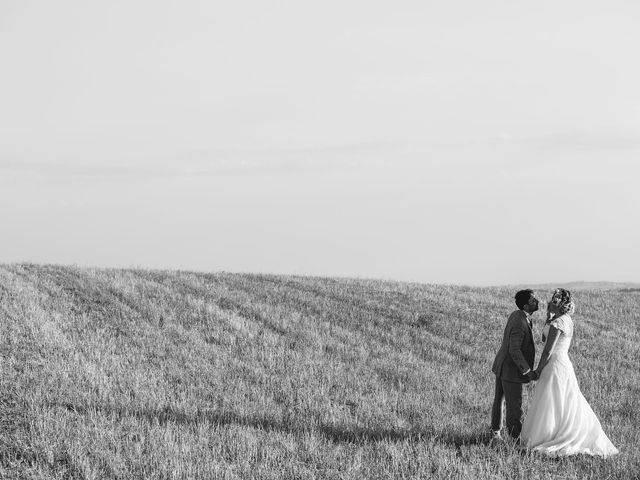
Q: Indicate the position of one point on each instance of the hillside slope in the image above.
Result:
(157, 374)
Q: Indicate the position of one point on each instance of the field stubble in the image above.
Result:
(155, 374)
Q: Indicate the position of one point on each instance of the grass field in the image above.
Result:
(157, 374)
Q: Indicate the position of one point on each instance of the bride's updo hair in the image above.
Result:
(563, 301)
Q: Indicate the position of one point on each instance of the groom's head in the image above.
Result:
(526, 300)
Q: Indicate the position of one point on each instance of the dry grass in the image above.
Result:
(150, 374)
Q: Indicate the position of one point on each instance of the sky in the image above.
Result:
(463, 142)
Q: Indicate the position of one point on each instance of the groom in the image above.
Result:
(513, 365)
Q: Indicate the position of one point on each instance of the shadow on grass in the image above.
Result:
(334, 433)
(349, 435)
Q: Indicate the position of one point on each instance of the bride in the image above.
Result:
(560, 421)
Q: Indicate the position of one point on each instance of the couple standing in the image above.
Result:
(559, 420)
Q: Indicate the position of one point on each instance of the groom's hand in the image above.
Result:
(533, 375)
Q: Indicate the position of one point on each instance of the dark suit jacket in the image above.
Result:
(517, 352)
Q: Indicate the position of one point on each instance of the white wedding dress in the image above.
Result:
(560, 421)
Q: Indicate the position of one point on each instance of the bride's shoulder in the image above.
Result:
(563, 322)
(566, 318)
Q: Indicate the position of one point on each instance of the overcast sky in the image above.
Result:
(470, 142)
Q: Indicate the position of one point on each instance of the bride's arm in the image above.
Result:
(550, 315)
(554, 333)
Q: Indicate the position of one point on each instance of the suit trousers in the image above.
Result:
(511, 393)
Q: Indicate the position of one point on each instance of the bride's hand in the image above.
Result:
(551, 310)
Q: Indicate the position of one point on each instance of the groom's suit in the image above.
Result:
(514, 359)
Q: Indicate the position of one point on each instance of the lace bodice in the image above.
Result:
(565, 325)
